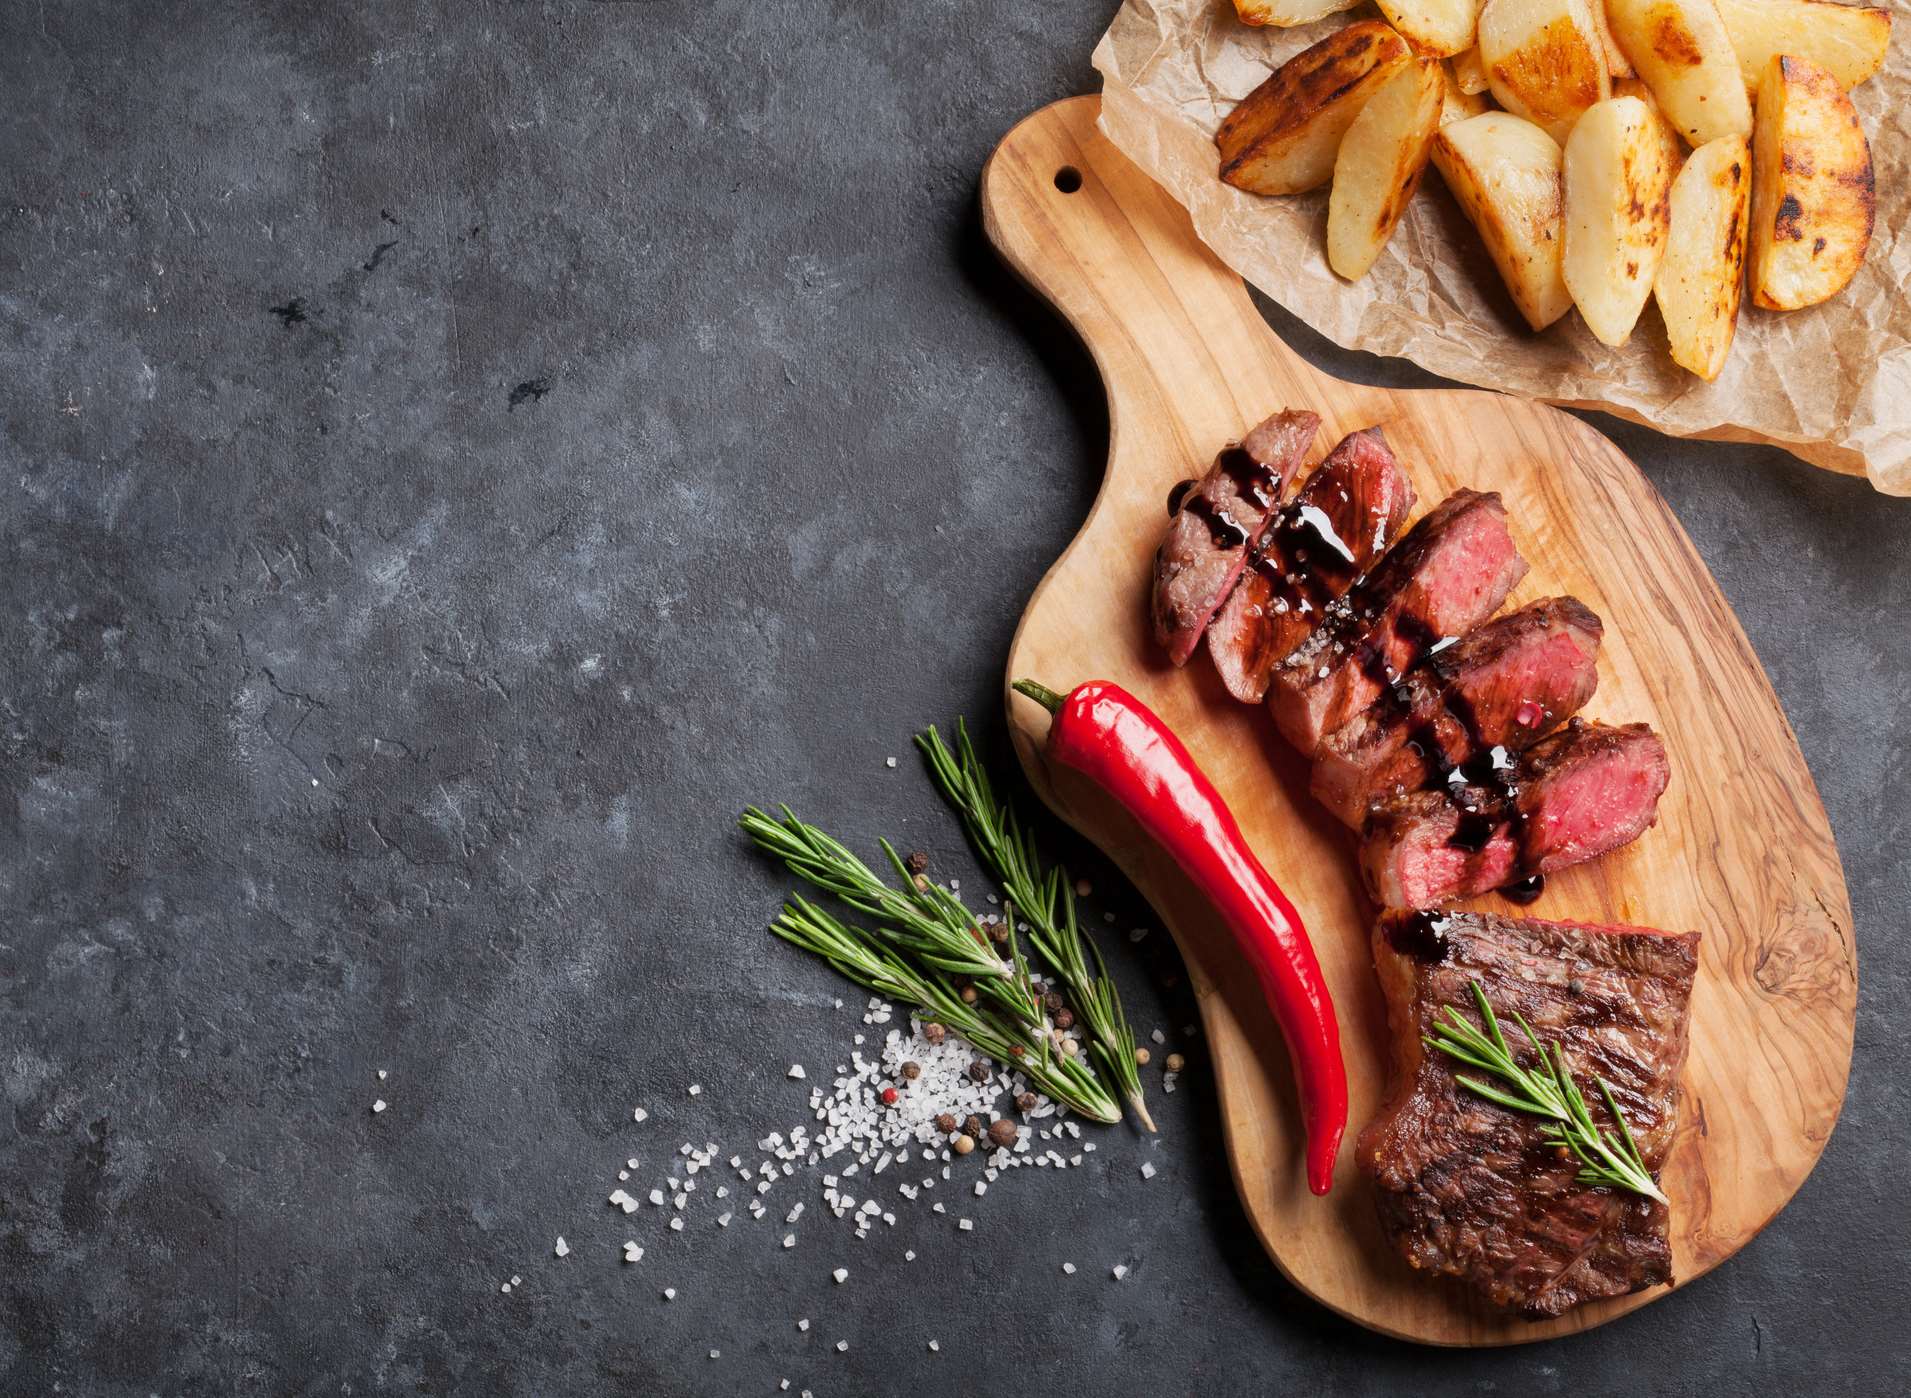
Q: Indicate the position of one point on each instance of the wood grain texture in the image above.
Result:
(1742, 850)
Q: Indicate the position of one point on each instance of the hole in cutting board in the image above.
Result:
(1068, 179)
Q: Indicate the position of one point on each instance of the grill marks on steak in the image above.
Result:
(1449, 573)
(1582, 792)
(1311, 552)
(1468, 1189)
(1215, 519)
(1505, 684)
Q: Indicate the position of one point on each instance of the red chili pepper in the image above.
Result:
(1117, 742)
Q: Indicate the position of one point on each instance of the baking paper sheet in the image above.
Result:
(1831, 384)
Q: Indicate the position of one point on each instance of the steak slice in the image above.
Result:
(1506, 684)
(1450, 572)
(1311, 552)
(1469, 1189)
(1583, 792)
(1215, 518)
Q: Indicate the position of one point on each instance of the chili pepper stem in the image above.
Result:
(1040, 693)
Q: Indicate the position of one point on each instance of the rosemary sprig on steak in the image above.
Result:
(1605, 1157)
(1046, 901)
(871, 961)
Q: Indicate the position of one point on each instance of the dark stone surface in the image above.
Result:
(455, 456)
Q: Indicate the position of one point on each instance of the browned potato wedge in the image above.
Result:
(1469, 72)
(1667, 133)
(1283, 137)
(1616, 217)
(1703, 275)
(1681, 49)
(1457, 104)
(1616, 63)
(1285, 14)
(1505, 172)
(1813, 198)
(1846, 40)
(1543, 60)
(1443, 27)
(1380, 162)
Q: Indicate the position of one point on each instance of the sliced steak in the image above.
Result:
(1583, 792)
(1450, 572)
(1507, 684)
(1215, 519)
(1469, 1189)
(1310, 553)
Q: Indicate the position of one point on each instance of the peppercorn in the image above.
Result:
(889, 1096)
(1052, 1001)
(962, 1145)
(922, 883)
(1141, 1056)
(1015, 1050)
(945, 1122)
(972, 1126)
(1027, 1101)
(999, 933)
(1070, 1047)
(912, 1070)
(981, 1070)
(934, 1032)
(1002, 1132)
(1176, 1063)
(916, 862)
(1064, 1019)
(968, 995)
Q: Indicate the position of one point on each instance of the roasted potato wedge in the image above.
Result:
(1469, 72)
(1702, 276)
(1544, 60)
(1813, 198)
(1381, 159)
(1847, 41)
(1505, 172)
(1283, 137)
(1285, 14)
(1616, 215)
(1457, 104)
(1681, 49)
(1668, 134)
(1443, 27)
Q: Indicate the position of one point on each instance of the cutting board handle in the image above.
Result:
(1088, 230)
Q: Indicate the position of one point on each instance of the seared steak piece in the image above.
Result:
(1450, 572)
(1584, 791)
(1310, 553)
(1507, 684)
(1471, 1190)
(1215, 519)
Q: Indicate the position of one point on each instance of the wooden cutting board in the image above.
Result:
(1742, 850)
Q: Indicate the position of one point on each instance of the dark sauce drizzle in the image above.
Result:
(1422, 936)
(1253, 479)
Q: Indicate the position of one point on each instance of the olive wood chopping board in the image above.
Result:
(1742, 851)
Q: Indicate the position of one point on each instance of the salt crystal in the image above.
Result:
(723, 1220)
(381, 1075)
(633, 1253)
(934, 1348)
(631, 1164)
(803, 1324)
(1120, 1271)
(796, 1070)
(841, 1274)
(676, 1223)
(716, 1354)
(516, 1280)
(563, 1249)
(623, 1174)
(1147, 1169)
(909, 1256)
(842, 1345)
(639, 1114)
(965, 1225)
(981, 1188)
(379, 1105)
(1159, 1037)
(657, 1197)
(889, 762)
(670, 1293)
(1068, 1268)
(696, 1089)
(505, 1288)
(789, 1240)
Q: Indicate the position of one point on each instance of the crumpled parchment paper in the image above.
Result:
(1832, 383)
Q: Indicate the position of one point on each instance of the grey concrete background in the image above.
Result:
(455, 456)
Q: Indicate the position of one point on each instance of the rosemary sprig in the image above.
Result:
(1046, 902)
(1605, 1157)
(930, 923)
(868, 959)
